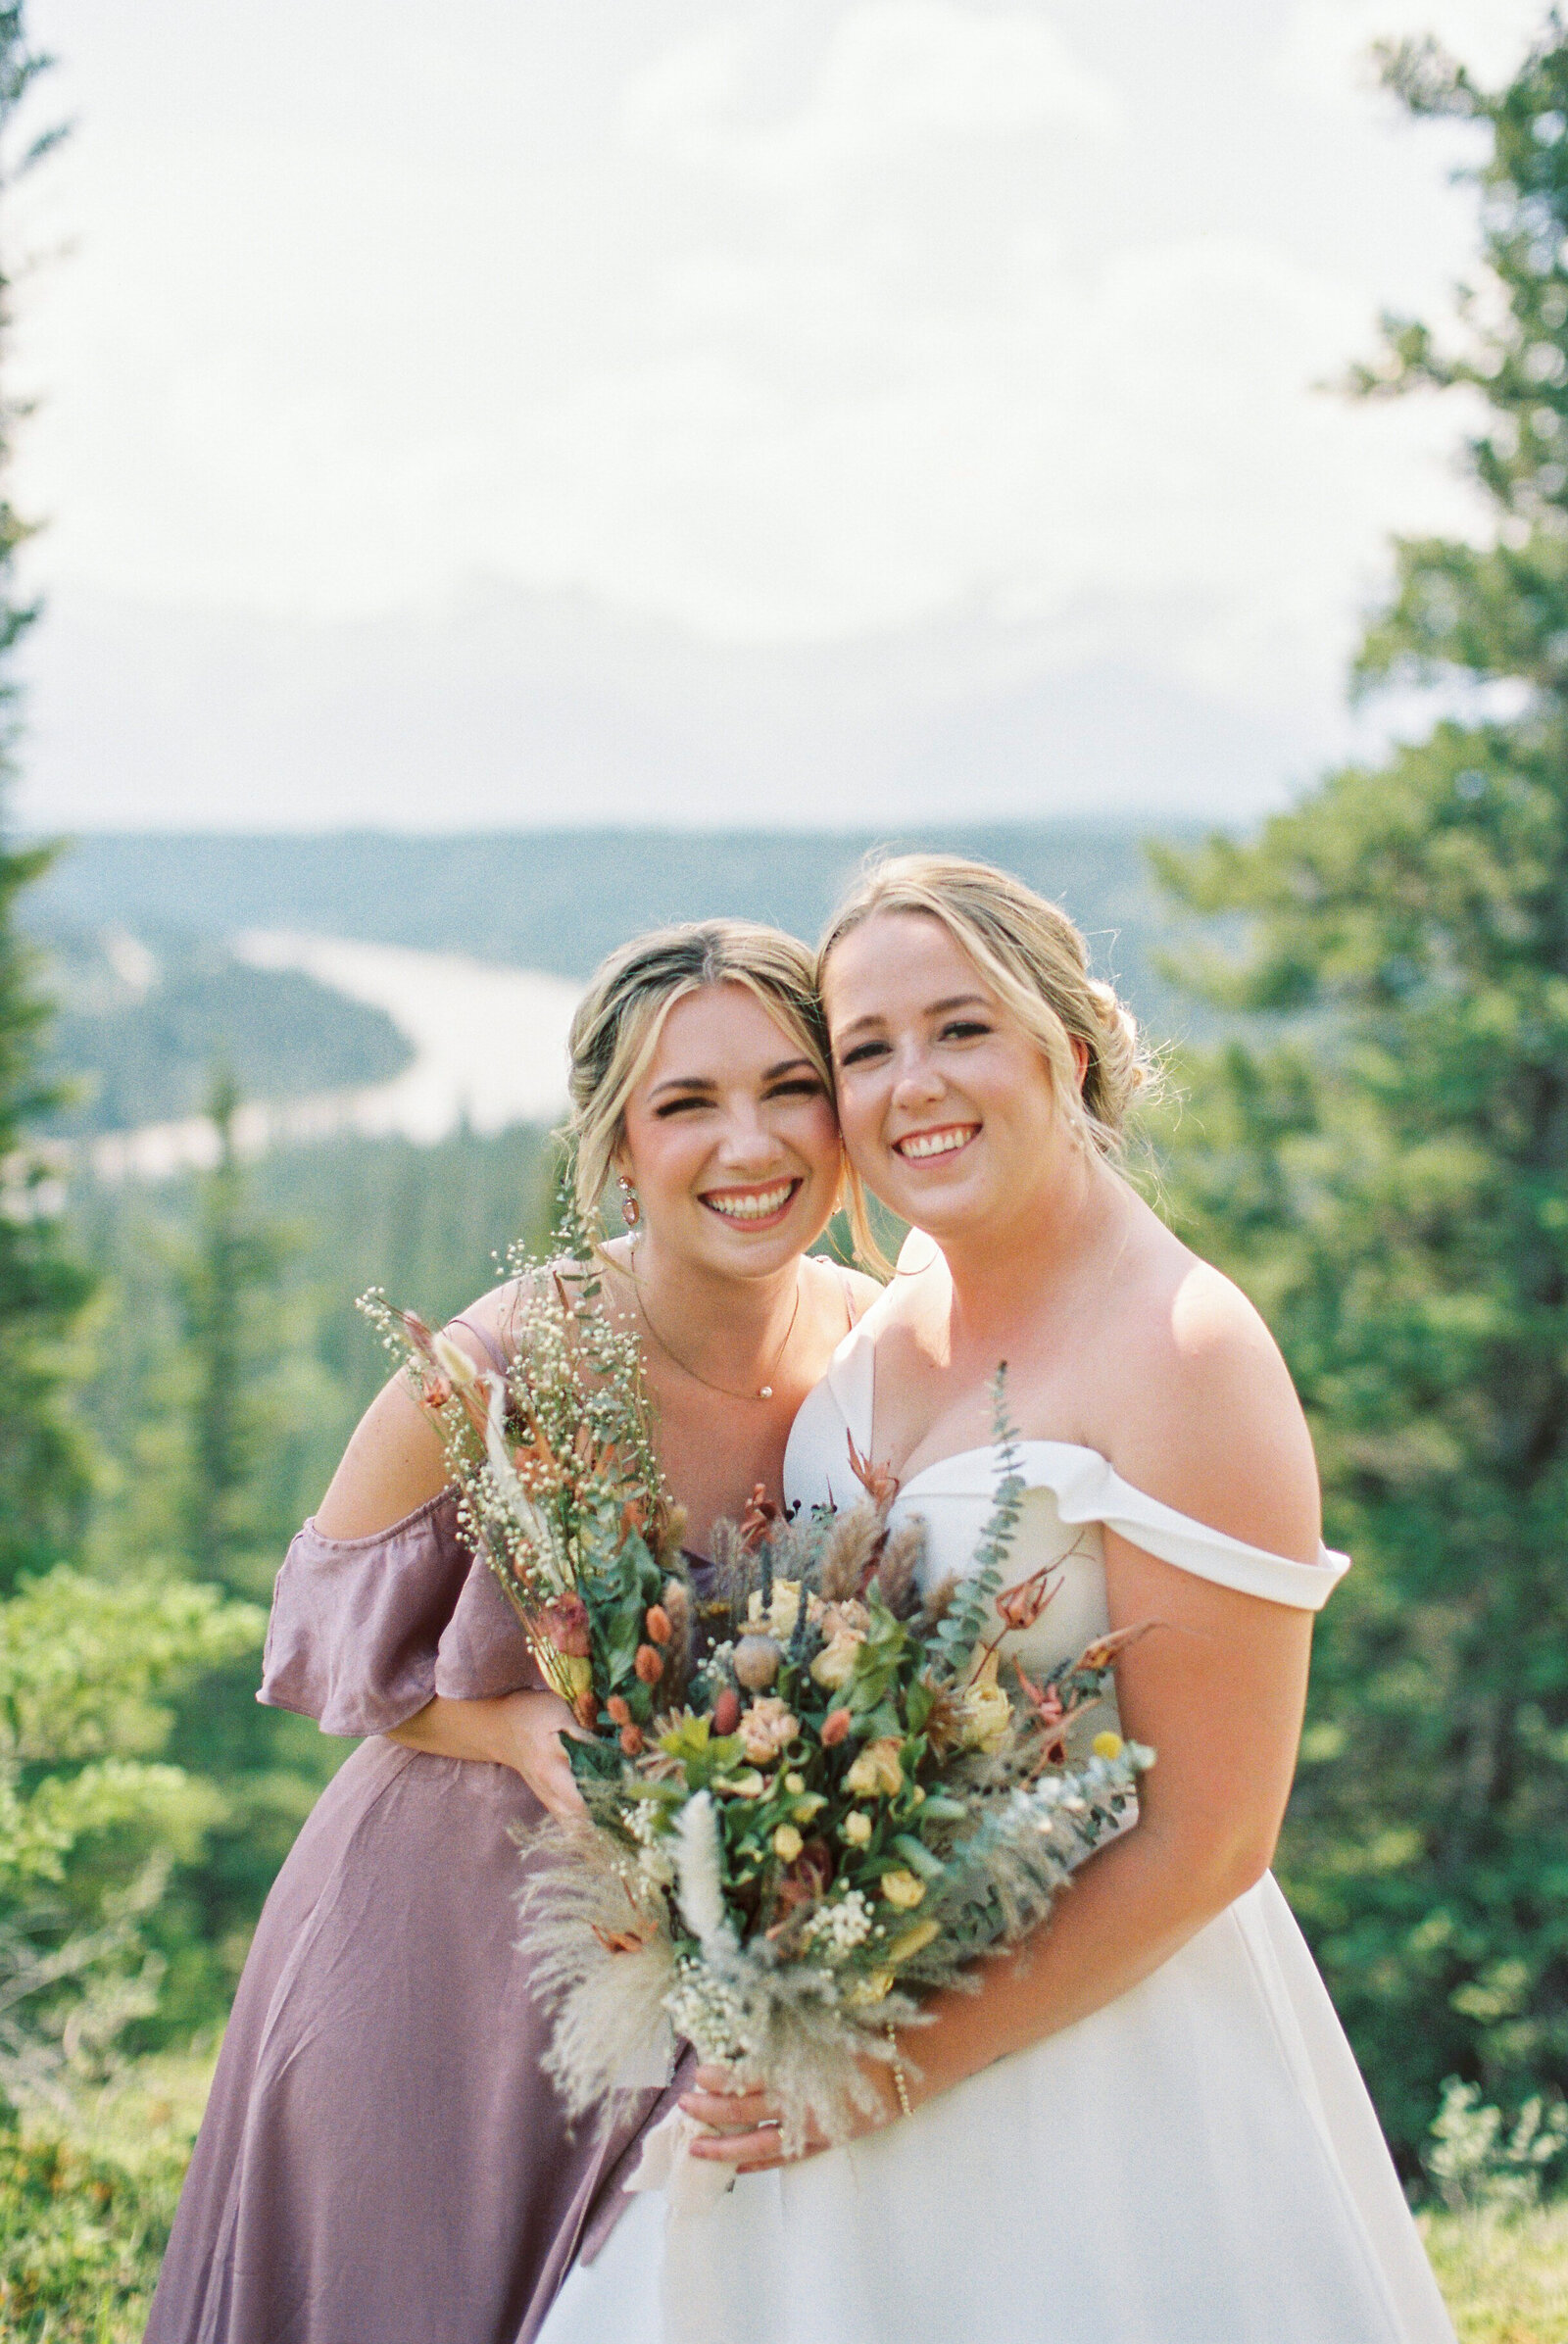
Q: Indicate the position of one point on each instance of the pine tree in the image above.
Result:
(227, 1290)
(90, 1824)
(43, 1289)
(1386, 1172)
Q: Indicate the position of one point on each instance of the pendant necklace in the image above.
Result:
(765, 1391)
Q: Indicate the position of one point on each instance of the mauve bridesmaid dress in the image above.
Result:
(382, 2159)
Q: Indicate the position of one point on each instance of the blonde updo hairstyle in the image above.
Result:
(1035, 960)
(621, 1016)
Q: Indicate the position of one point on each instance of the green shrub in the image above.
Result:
(81, 2239)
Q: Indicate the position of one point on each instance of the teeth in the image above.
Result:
(936, 1143)
(752, 1208)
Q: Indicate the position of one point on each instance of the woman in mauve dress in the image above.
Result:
(383, 2159)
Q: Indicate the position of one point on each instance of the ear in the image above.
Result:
(1080, 1059)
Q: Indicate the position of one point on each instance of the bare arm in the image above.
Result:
(521, 1730)
(394, 1463)
(1218, 1690)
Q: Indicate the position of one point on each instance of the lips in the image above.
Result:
(921, 1147)
(745, 1208)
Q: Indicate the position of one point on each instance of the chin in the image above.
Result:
(748, 1249)
(932, 1205)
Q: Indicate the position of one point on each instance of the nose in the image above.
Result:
(916, 1078)
(746, 1147)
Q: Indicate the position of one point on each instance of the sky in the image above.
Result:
(777, 412)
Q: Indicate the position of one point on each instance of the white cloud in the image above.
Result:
(786, 323)
(893, 77)
(1326, 51)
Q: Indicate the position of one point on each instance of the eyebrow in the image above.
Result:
(955, 1001)
(706, 1082)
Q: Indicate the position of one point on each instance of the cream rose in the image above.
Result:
(878, 1771)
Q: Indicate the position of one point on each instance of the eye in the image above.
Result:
(680, 1106)
(863, 1054)
(962, 1029)
(799, 1086)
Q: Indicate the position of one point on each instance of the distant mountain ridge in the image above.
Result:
(559, 900)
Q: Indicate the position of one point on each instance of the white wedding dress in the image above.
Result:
(1198, 2163)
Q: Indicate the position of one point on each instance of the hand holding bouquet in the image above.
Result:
(813, 1790)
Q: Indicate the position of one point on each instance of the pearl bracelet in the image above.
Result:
(900, 2084)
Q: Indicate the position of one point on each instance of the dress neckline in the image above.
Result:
(1087, 1487)
(857, 1404)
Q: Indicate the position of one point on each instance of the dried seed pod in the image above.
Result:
(648, 1664)
(631, 1740)
(726, 1711)
(657, 1625)
(757, 1659)
(620, 1714)
(835, 1728)
(678, 1608)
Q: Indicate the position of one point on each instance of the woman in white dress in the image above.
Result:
(1147, 2126)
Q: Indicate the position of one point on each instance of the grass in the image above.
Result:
(83, 2222)
(85, 2219)
(1505, 2280)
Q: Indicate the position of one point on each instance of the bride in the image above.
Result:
(1146, 2127)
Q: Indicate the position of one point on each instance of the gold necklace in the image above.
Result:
(765, 1391)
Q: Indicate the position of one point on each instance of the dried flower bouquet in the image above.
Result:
(814, 1792)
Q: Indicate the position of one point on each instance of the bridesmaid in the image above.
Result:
(1146, 2127)
(383, 2161)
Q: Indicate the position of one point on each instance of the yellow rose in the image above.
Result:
(1106, 1745)
(903, 1890)
(984, 1712)
(808, 1809)
(912, 1940)
(870, 1988)
(787, 1843)
(878, 1771)
(795, 1782)
(834, 1665)
(781, 1614)
(855, 1827)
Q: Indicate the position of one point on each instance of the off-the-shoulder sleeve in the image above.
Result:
(364, 1632)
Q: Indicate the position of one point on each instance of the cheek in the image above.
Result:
(814, 1135)
(661, 1152)
(861, 1121)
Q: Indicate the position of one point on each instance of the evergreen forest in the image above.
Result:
(1366, 1001)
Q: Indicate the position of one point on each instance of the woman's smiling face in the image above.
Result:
(731, 1140)
(945, 1102)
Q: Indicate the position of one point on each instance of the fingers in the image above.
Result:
(730, 2111)
(557, 1790)
(748, 2152)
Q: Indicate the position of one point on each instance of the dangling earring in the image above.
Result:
(632, 1212)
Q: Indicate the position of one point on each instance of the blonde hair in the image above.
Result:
(1036, 963)
(620, 1018)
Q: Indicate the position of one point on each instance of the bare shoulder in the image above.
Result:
(487, 1326)
(861, 1290)
(490, 1324)
(1207, 1417)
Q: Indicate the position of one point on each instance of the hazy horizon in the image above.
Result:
(838, 412)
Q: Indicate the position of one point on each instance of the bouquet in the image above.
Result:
(814, 1792)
